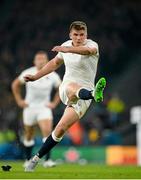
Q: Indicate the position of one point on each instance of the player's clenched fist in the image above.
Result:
(29, 77)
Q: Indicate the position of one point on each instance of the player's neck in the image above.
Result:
(38, 69)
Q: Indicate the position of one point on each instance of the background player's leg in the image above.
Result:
(28, 142)
(45, 126)
(29, 117)
(46, 129)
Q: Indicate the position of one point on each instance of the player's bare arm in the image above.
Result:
(51, 66)
(16, 89)
(78, 50)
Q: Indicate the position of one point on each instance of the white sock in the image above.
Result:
(56, 138)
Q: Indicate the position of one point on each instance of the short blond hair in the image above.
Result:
(42, 52)
(78, 25)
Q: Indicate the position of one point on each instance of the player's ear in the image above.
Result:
(70, 35)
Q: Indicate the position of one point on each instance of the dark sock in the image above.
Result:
(28, 152)
(47, 157)
(85, 94)
(47, 146)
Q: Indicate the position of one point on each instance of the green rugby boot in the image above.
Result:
(99, 88)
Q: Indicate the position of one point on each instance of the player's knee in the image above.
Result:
(28, 135)
(72, 97)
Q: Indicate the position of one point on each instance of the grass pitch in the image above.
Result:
(72, 171)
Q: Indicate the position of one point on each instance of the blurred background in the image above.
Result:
(29, 26)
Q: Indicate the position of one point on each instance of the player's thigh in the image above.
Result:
(45, 120)
(68, 119)
(81, 107)
(29, 121)
(67, 92)
(72, 114)
(29, 116)
(72, 88)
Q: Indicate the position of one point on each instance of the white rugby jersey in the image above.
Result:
(38, 92)
(80, 68)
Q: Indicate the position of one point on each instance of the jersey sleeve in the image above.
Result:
(57, 80)
(59, 55)
(21, 77)
(93, 44)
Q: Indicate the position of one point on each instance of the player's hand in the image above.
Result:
(22, 104)
(63, 49)
(51, 105)
(29, 77)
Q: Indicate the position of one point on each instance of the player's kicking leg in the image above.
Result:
(67, 120)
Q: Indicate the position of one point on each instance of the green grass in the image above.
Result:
(72, 171)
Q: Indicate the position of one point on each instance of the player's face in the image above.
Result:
(78, 37)
(40, 60)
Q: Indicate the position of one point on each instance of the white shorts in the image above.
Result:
(31, 115)
(80, 106)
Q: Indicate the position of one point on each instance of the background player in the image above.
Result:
(80, 56)
(37, 108)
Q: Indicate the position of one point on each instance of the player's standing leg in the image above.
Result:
(68, 119)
